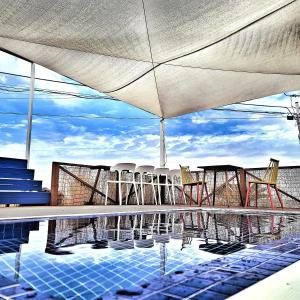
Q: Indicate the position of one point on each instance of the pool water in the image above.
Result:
(86, 258)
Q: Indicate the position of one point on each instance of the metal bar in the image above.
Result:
(239, 187)
(102, 167)
(202, 186)
(298, 119)
(162, 143)
(162, 157)
(243, 186)
(214, 187)
(54, 184)
(95, 185)
(30, 107)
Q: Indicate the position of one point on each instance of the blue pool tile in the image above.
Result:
(156, 285)
(189, 273)
(203, 268)
(285, 258)
(198, 283)
(296, 252)
(161, 297)
(79, 289)
(264, 247)
(69, 293)
(251, 276)
(132, 291)
(242, 282)
(38, 297)
(265, 255)
(59, 289)
(9, 292)
(88, 295)
(217, 275)
(209, 295)
(281, 263)
(270, 266)
(262, 271)
(239, 267)
(287, 247)
(181, 290)
(290, 255)
(4, 281)
(226, 289)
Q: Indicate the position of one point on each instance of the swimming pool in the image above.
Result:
(87, 258)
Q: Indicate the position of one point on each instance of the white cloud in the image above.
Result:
(2, 78)
(12, 126)
(91, 148)
(11, 64)
(198, 120)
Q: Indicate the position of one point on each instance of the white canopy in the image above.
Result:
(168, 57)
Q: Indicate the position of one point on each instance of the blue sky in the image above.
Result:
(196, 139)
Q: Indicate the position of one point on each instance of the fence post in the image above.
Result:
(54, 184)
(243, 185)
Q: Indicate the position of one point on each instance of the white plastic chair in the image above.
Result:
(124, 237)
(143, 243)
(175, 177)
(162, 173)
(146, 171)
(122, 168)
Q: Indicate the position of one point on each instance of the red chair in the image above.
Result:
(269, 179)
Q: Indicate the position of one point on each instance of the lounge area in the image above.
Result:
(149, 150)
(225, 186)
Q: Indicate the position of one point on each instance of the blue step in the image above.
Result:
(17, 230)
(14, 173)
(20, 184)
(12, 246)
(33, 198)
(6, 162)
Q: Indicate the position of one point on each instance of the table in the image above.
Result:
(226, 168)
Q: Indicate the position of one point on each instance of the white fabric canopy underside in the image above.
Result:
(168, 57)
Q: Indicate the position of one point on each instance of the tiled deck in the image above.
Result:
(38, 212)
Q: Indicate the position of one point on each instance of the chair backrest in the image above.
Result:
(161, 171)
(123, 167)
(144, 169)
(186, 175)
(176, 173)
(272, 171)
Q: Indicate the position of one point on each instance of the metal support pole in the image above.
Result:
(30, 106)
(162, 179)
(298, 118)
(162, 143)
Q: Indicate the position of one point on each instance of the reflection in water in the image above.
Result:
(12, 236)
(90, 256)
(216, 233)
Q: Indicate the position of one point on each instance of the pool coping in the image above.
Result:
(49, 212)
(284, 283)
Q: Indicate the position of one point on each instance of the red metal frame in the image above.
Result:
(269, 192)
